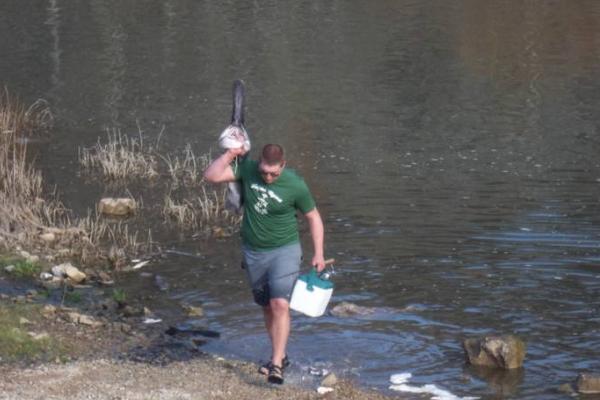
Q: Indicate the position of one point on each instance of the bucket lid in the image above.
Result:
(312, 279)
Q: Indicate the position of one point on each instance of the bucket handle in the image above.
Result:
(313, 276)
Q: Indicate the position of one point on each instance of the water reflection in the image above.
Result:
(54, 22)
(451, 147)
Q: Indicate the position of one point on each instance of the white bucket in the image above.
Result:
(311, 295)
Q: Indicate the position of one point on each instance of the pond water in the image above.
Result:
(452, 148)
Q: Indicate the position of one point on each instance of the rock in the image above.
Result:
(566, 388)
(82, 319)
(345, 309)
(9, 268)
(59, 271)
(116, 206)
(193, 311)
(4, 296)
(129, 311)
(29, 257)
(73, 273)
(48, 237)
(330, 380)
(147, 312)
(46, 276)
(506, 352)
(104, 277)
(122, 327)
(38, 336)
(48, 311)
(89, 321)
(587, 383)
(107, 283)
(73, 317)
(324, 390)
(24, 321)
(24, 254)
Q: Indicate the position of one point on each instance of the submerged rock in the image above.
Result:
(193, 311)
(506, 352)
(116, 206)
(345, 309)
(330, 380)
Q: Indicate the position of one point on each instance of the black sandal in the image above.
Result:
(275, 374)
(264, 368)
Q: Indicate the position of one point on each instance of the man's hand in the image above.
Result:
(239, 151)
(220, 170)
(318, 262)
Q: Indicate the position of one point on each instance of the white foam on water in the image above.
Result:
(399, 384)
(399, 379)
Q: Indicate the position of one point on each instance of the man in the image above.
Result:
(270, 240)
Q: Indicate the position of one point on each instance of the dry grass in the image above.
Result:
(182, 214)
(186, 171)
(23, 211)
(32, 219)
(122, 157)
(202, 211)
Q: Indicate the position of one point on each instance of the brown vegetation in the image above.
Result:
(32, 219)
(189, 201)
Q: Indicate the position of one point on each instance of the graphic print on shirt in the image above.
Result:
(262, 198)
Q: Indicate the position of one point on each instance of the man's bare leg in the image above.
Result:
(278, 320)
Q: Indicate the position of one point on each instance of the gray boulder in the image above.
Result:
(505, 352)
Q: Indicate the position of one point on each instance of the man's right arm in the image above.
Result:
(220, 169)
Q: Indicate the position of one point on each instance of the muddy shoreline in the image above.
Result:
(121, 357)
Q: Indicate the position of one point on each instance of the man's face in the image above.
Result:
(270, 173)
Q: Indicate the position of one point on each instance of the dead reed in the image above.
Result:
(121, 157)
(196, 205)
(22, 208)
(200, 211)
(187, 170)
(32, 219)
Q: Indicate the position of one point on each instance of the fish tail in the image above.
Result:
(237, 115)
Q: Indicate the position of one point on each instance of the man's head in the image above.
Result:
(271, 163)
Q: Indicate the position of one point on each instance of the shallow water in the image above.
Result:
(452, 148)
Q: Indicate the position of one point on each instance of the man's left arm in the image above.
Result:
(317, 233)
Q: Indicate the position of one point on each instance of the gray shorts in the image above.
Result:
(272, 273)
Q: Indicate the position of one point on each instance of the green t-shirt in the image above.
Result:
(270, 210)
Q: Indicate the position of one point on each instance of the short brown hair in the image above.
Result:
(272, 154)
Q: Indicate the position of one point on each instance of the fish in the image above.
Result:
(235, 136)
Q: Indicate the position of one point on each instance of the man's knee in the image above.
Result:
(279, 306)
